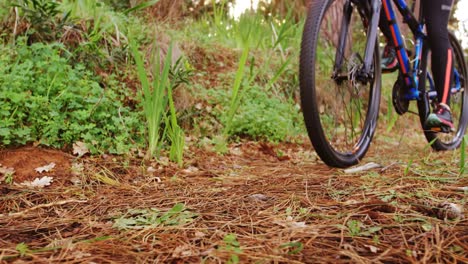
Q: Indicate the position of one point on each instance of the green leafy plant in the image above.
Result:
(8, 178)
(42, 16)
(154, 97)
(141, 6)
(357, 228)
(293, 247)
(261, 116)
(391, 117)
(157, 96)
(22, 249)
(151, 218)
(174, 131)
(68, 104)
(236, 95)
(232, 246)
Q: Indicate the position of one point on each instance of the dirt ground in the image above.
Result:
(280, 201)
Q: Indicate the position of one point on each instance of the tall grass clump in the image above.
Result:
(174, 131)
(237, 92)
(157, 97)
(154, 100)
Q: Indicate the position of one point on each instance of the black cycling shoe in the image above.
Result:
(440, 120)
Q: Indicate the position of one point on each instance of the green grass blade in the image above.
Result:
(140, 6)
(236, 89)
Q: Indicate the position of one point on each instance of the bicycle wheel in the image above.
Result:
(340, 112)
(458, 100)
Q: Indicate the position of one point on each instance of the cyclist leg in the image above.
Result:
(436, 14)
(389, 60)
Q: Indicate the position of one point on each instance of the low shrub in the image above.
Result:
(44, 99)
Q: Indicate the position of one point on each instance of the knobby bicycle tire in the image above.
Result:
(330, 149)
(459, 101)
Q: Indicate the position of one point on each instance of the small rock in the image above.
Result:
(449, 211)
(259, 197)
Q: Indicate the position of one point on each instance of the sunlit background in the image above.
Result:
(241, 6)
(462, 16)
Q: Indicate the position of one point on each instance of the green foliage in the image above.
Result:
(463, 156)
(42, 16)
(141, 6)
(103, 32)
(174, 132)
(262, 115)
(357, 228)
(263, 33)
(293, 247)
(8, 178)
(22, 249)
(232, 246)
(44, 99)
(157, 95)
(154, 99)
(268, 47)
(151, 218)
(4, 10)
(237, 92)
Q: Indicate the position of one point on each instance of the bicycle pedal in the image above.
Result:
(443, 129)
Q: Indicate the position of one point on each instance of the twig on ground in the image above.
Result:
(23, 213)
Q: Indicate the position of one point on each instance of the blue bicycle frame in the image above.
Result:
(410, 71)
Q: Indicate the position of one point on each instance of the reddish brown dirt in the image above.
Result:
(25, 160)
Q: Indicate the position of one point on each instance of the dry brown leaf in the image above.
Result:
(39, 183)
(46, 168)
(80, 148)
(6, 170)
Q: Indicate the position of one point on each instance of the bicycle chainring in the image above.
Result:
(400, 103)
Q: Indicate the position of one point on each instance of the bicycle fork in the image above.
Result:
(366, 72)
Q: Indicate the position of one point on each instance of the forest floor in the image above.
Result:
(259, 203)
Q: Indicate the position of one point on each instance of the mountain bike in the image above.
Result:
(340, 77)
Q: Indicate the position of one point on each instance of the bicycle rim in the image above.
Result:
(340, 116)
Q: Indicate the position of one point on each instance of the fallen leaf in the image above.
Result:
(295, 224)
(236, 151)
(5, 170)
(199, 234)
(372, 248)
(75, 180)
(190, 169)
(61, 243)
(39, 183)
(151, 169)
(45, 168)
(77, 169)
(365, 167)
(80, 148)
(182, 251)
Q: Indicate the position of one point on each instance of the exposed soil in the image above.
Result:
(26, 159)
(283, 204)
